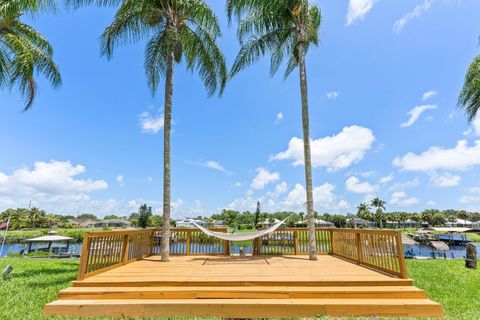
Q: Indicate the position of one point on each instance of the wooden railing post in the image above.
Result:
(82, 269)
(126, 240)
(189, 240)
(332, 240)
(359, 247)
(226, 245)
(295, 240)
(401, 256)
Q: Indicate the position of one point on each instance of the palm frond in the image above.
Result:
(469, 98)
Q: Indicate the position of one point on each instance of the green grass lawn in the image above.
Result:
(35, 282)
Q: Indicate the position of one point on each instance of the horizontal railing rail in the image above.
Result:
(381, 250)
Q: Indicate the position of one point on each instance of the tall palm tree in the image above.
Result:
(24, 52)
(176, 30)
(469, 98)
(285, 29)
(380, 206)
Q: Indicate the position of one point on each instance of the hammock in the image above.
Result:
(240, 236)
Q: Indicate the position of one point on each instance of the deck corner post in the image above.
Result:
(82, 269)
(126, 240)
(332, 240)
(401, 256)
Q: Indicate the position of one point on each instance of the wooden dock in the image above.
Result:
(243, 287)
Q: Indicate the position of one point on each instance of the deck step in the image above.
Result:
(279, 292)
(243, 308)
(122, 282)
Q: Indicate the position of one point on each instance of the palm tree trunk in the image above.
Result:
(312, 244)
(165, 252)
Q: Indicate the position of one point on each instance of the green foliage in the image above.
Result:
(111, 217)
(144, 216)
(273, 27)
(469, 98)
(24, 52)
(87, 216)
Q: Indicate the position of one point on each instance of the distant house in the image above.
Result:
(324, 224)
(113, 223)
(407, 224)
(267, 224)
(188, 223)
(360, 223)
(82, 223)
(218, 223)
(459, 223)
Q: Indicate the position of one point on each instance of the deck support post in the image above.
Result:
(126, 240)
(189, 240)
(359, 248)
(295, 240)
(82, 269)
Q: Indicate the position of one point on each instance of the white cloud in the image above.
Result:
(415, 114)
(214, 165)
(445, 180)
(404, 185)
(120, 180)
(469, 199)
(279, 118)
(475, 127)
(386, 179)
(149, 123)
(280, 188)
(354, 185)
(334, 152)
(238, 184)
(415, 13)
(429, 94)
(263, 178)
(401, 199)
(461, 157)
(431, 203)
(358, 9)
(51, 185)
(332, 95)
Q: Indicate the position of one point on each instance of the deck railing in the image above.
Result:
(381, 250)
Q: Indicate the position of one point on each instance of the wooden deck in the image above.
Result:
(243, 287)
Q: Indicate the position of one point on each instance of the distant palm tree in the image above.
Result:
(363, 211)
(285, 29)
(176, 30)
(24, 52)
(380, 206)
(469, 98)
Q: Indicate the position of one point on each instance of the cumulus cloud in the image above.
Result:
(401, 199)
(149, 123)
(358, 9)
(120, 180)
(469, 199)
(386, 179)
(445, 180)
(53, 184)
(417, 12)
(461, 157)
(281, 199)
(334, 152)
(279, 118)
(263, 178)
(332, 95)
(429, 94)
(415, 114)
(354, 185)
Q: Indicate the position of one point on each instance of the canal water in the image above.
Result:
(419, 250)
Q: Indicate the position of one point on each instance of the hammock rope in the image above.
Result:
(240, 236)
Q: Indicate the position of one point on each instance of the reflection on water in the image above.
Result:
(418, 250)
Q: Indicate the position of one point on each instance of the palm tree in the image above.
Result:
(363, 211)
(469, 98)
(285, 29)
(380, 206)
(176, 30)
(24, 52)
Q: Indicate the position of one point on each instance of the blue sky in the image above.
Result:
(383, 89)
